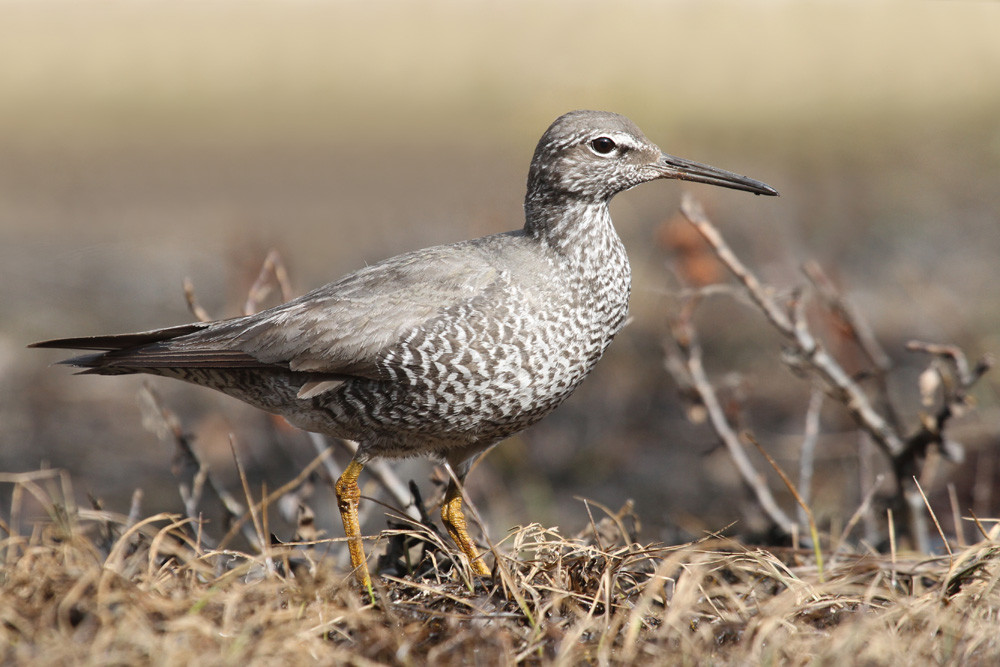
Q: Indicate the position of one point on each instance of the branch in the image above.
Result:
(687, 340)
(191, 472)
(796, 331)
(954, 399)
(273, 267)
(860, 332)
(808, 456)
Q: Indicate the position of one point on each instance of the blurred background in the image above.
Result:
(142, 143)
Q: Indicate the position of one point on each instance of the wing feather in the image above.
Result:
(338, 331)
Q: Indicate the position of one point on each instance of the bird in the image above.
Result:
(441, 352)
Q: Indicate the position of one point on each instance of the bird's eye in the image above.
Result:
(602, 145)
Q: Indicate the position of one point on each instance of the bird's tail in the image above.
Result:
(114, 350)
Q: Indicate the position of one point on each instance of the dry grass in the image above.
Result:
(90, 586)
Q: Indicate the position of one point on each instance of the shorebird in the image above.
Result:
(445, 351)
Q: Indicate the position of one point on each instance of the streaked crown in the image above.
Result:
(591, 155)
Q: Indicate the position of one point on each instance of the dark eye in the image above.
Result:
(602, 145)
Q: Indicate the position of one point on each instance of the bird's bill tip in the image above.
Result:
(687, 170)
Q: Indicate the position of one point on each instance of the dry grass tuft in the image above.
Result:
(89, 586)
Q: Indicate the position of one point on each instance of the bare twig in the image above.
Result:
(811, 521)
(833, 375)
(135, 509)
(954, 399)
(982, 487)
(806, 353)
(860, 331)
(192, 474)
(263, 542)
(199, 313)
(892, 544)
(272, 268)
(808, 456)
(294, 483)
(979, 526)
(868, 484)
(937, 524)
(687, 340)
(863, 510)
(695, 214)
(956, 356)
(956, 517)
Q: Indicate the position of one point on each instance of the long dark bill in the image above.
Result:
(687, 170)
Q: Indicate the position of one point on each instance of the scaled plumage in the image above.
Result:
(443, 351)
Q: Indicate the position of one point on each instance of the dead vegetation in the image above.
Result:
(910, 451)
(88, 585)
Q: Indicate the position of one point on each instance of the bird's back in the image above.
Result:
(458, 345)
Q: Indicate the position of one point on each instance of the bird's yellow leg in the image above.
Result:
(348, 496)
(454, 522)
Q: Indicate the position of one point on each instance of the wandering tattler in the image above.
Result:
(444, 351)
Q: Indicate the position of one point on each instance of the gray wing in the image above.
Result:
(343, 329)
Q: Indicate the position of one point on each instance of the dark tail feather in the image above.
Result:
(117, 350)
(153, 352)
(118, 341)
(96, 364)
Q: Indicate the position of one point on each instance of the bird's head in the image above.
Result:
(594, 155)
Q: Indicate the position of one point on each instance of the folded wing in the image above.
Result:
(336, 332)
